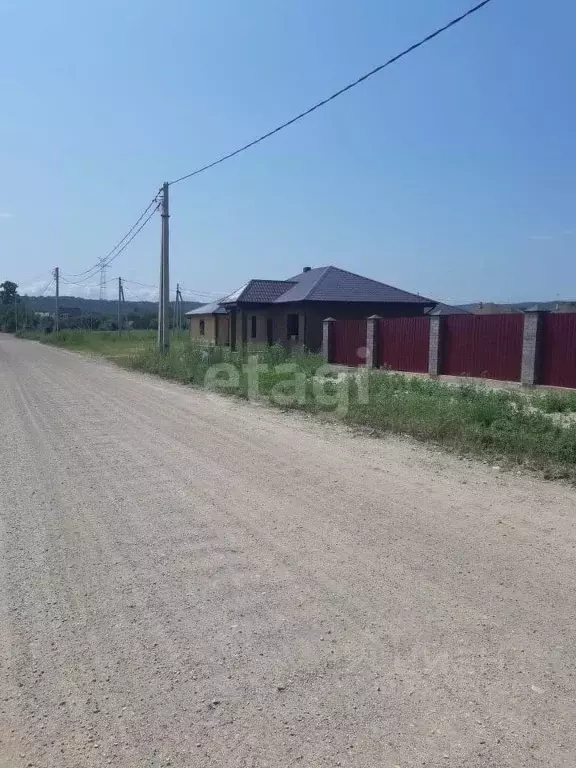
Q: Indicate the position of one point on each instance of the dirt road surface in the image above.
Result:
(190, 581)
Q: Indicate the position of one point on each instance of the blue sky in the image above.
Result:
(452, 173)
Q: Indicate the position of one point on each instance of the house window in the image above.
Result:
(292, 326)
(202, 328)
(253, 327)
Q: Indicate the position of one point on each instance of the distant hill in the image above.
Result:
(96, 306)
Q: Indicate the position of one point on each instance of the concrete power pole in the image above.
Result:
(120, 303)
(178, 308)
(176, 323)
(57, 299)
(164, 297)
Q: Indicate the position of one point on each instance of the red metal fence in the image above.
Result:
(350, 341)
(403, 343)
(559, 350)
(489, 346)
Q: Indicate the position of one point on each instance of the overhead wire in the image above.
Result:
(145, 217)
(338, 93)
(138, 297)
(213, 294)
(135, 233)
(182, 289)
(83, 283)
(136, 282)
(114, 253)
(48, 285)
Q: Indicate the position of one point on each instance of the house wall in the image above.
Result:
(222, 330)
(261, 319)
(311, 315)
(216, 329)
(209, 328)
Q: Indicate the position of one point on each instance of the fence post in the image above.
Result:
(328, 329)
(372, 341)
(531, 347)
(435, 345)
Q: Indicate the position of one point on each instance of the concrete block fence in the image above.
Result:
(531, 347)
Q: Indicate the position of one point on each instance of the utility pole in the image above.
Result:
(176, 324)
(57, 297)
(178, 308)
(120, 303)
(161, 295)
(164, 297)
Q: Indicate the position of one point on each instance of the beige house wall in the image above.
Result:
(215, 329)
(222, 330)
(209, 334)
(278, 315)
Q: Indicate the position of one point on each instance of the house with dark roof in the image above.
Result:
(290, 312)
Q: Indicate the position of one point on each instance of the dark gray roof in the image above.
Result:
(448, 309)
(334, 284)
(329, 284)
(259, 292)
(208, 309)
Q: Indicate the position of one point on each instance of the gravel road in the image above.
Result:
(190, 581)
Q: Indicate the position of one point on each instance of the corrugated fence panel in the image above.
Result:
(488, 346)
(350, 341)
(403, 343)
(559, 350)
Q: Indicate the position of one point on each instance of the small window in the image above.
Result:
(253, 327)
(202, 327)
(292, 325)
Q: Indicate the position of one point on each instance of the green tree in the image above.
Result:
(8, 292)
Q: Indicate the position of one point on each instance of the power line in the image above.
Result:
(135, 233)
(111, 255)
(144, 285)
(346, 88)
(213, 294)
(183, 290)
(138, 297)
(49, 285)
(83, 284)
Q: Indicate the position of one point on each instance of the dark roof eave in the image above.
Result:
(417, 302)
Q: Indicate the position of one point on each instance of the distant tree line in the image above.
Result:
(18, 312)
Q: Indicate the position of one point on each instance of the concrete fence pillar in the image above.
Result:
(372, 341)
(531, 348)
(435, 345)
(328, 329)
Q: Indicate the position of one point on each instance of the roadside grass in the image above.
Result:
(556, 402)
(499, 426)
(104, 343)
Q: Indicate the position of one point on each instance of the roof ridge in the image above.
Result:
(317, 282)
